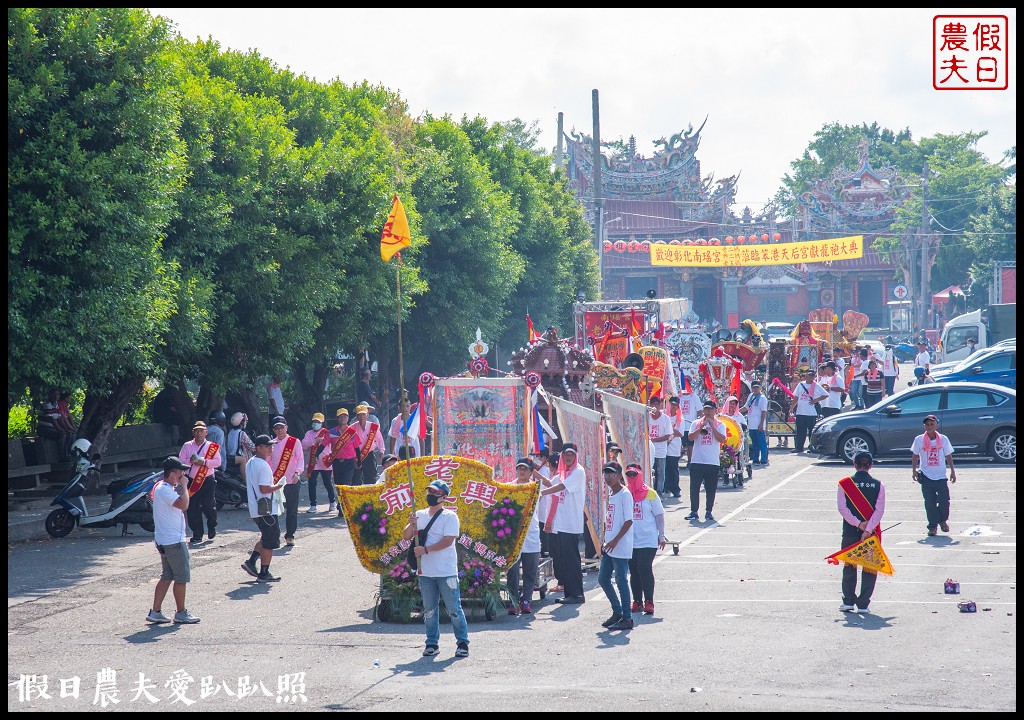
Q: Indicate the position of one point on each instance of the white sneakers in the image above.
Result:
(312, 509)
(847, 608)
(185, 618)
(332, 507)
(862, 611)
(157, 618)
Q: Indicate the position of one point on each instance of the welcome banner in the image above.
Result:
(585, 428)
(811, 251)
(484, 419)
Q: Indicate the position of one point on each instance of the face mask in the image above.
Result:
(433, 500)
(316, 425)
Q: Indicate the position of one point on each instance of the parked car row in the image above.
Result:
(977, 417)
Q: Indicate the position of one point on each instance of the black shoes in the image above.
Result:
(612, 620)
(266, 577)
(571, 600)
(250, 568)
(622, 625)
(691, 516)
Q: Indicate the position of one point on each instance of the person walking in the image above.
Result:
(932, 454)
(674, 450)
(342, 453)
(525, 567)
(861, 503)
(890, 370)
(707, 434)
(756, 410)
(805, 395)
(264, 509)
(215, 433)
(275, 400)
(203, 458)
(923, 359)
(399, 434)
(832, 384)
(286, 460)
(874, 384)
(317, 441)
(568, 491)
(660, 428)
(170, 501)
(690, 410)
(438, 567)
(859, 363)
(648, 538)
(367, 440)
(617, 550)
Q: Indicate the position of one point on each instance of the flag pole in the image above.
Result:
(402, 397)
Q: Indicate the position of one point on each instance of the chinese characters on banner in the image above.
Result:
(483, 419)
(493, 517)
(811, 251)
(970, 52)
(585, 428)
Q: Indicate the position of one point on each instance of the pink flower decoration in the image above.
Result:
(383, 531)
(511, 511)
(364, 516)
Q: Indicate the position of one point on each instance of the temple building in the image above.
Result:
(667, 198)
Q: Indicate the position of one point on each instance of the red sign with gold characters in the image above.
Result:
(970, 52)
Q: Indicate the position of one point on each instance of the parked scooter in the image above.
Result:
(130, 502)
(229, 490)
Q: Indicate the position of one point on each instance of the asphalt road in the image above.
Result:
(746, 618)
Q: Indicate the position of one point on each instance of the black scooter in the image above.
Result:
(229, 490)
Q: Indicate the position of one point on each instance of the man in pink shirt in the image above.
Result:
(202, 458)
(861, 502)
(286, 462)
(368, 439)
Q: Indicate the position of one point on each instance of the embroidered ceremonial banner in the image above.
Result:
(493, 517)
(866, 553)
(811, 251)
(629, 426)
(585, 428)
(486, 419)
(339, 442)
(201, 473)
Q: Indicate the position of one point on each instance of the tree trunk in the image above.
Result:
(186, 409)
(209, 402)
(102, 409)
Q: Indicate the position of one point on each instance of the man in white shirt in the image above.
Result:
(438, 567)
(674, 450)
(806, 393)
(275, 399)
(660, 426)
(396, 437)
(923, 359)
(170, 501)
(756, 410)
(568, 494)
(618, 549)
(690, 409)
(264, 509)
(835, 387)
(707, 434)
(525, 568)
(890, 370)
(932, 453)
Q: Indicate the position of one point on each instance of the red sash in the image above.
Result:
(286, 457)
(314, 451)
(197, 482)
(346, 435)
(363, 452)
(859, 501)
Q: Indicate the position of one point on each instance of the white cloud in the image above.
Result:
(767, 79)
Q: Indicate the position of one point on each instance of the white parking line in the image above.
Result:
(679, 561)
(832, 600)
(831, 581)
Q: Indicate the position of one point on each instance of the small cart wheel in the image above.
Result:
(675, 548)
(543, 592)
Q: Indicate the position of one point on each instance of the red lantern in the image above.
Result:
(702, 241)
(645, 246)
(776, 237)
(676, 242)
(607, 245)
(687, 241)
(741, 239)
(714, 241)
(728, 239)
(764, 238)
(634, 246)
(620, 246)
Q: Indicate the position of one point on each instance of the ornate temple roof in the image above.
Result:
(861, 201)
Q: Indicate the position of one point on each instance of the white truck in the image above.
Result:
(986, 327)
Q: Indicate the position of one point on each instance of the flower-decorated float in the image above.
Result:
(493, 520)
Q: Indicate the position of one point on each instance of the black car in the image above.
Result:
(977, 418)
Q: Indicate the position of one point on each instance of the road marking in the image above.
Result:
(680, 558)
(888, 581)
(950, 603)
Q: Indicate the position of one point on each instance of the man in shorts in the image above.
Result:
(264, 509)
(170, 501)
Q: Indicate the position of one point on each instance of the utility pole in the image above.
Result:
(558, 147)
(598, 196)
(924, 291)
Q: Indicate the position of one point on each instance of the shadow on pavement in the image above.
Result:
(151, 634)
(249, 590)
(612, 639)
(865, 622)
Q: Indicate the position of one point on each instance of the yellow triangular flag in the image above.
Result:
(868, 554)
(396, 233)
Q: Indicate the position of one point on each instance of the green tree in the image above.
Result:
(94, 167)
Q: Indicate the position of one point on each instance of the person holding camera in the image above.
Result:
(707, 434)
(170, 501)
(932, 453)
(264, 509)
(438, 567)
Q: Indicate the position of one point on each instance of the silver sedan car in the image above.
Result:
(977, 418)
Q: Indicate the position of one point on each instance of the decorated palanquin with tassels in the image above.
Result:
(563, 368)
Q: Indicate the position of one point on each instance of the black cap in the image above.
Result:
(524, 462)
(388, 458)
(929, 417)
(611, 446)
(173, 463)
(279, 420)
(612, 467)
(264, 440)
(711, 404)
(921, 342)
(861, 458)
(570, 447)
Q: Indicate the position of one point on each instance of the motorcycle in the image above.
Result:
(129, 499)
(229, 490)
